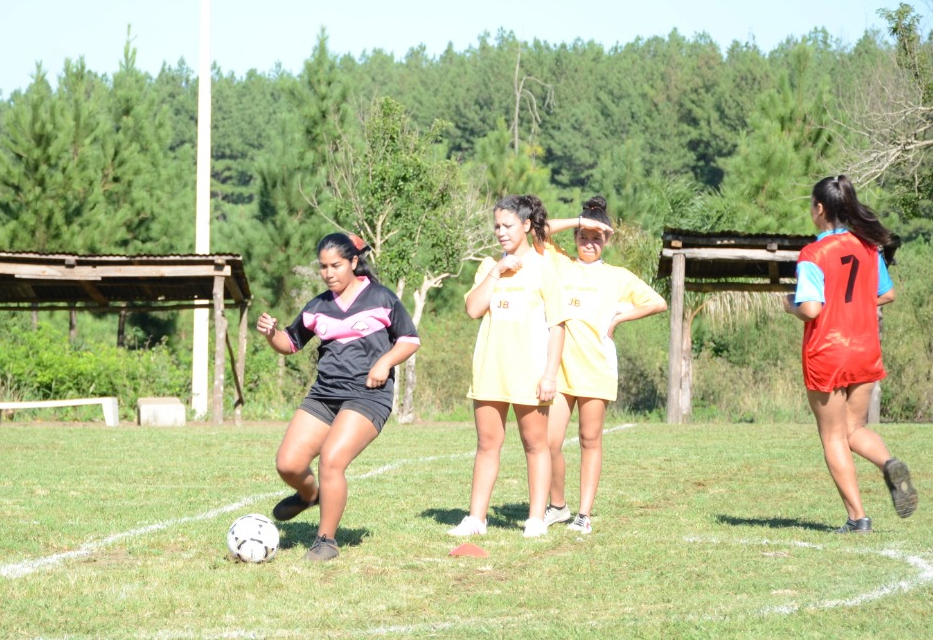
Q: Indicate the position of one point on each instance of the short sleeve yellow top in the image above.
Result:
(511, 347)
(594, 293)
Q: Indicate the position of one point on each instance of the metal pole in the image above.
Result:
(675, 362)
(199, 364)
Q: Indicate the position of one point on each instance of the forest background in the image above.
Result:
(411, 153)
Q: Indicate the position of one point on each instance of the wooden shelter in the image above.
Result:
(132, 283)
(726, 261)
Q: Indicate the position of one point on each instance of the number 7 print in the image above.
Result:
(853, 271)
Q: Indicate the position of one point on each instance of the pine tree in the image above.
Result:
(37, 172)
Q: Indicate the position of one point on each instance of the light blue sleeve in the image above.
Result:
(811, 283)
(885, 283)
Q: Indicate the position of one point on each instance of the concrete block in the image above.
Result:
(160, 412)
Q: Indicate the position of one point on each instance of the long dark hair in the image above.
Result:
(527, 207)
(842, 207)
(349, 247)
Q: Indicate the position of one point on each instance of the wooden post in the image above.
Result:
(675, 348)
(241, 359)
(72, 323)
(121, 329)
(220, 343)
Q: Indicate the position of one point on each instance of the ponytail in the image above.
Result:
(528, 207)
(842, 207)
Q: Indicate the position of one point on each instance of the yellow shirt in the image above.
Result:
(511, 347)
(594, 293)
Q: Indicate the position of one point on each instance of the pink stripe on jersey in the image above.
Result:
(345, 304)
(351, 328)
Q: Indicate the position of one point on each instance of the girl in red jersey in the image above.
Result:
(841, 280)
(364, 332)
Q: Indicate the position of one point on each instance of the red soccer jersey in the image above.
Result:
(841, 346)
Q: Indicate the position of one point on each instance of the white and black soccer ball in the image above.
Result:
(253, 538)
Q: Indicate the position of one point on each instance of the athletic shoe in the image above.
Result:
(534, 527)
(291, 506)
(322, 550)
(469, 526)
(581, 523)
(862, 525)
(553, 515)
(903, 494)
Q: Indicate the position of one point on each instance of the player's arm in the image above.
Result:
(547, 386)
(399, 353)
(556, 225)
(807, 302)
(885, 284)
(278, 340)
(477, 300)
(636, 313)
(805, 311)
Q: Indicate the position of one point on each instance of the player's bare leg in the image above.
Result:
(301, 444)
(532, 427)
(831, 419)
(349, 435)
(490, 436)
(863, 440)
(592, 415)
(558, 419)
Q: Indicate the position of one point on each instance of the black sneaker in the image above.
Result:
(903, 494)
(291, 506)
(322, 550)
(862, 525)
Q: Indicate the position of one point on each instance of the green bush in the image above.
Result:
(907, 337)
(445, 366)
(43, 364)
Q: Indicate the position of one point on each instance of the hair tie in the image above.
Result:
(359, 243)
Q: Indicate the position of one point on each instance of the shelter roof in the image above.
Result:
(713, 255)
(112, 282)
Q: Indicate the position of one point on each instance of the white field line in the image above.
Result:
(393, 630)
(24, 568)
(923, 576)
(20, 569)
(267, 634)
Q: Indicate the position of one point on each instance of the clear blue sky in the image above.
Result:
(256, 34)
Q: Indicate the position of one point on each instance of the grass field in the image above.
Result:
(706, 531)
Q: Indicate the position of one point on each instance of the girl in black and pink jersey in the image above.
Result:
(364, 333)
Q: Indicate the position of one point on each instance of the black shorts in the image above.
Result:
(326, 410)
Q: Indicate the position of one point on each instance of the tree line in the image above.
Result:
(411, 152)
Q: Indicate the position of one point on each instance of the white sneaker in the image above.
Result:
(581, 523)
(469, 526)
(553, 515)
(534, 527)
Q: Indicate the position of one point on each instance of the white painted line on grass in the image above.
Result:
(620, 427)
(401, 463)
(24, 568)
(923, 566)
(20, 569)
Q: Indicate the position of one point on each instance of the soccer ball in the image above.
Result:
(253, 538)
